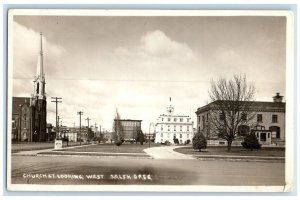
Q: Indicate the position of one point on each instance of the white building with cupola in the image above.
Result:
(170, 126)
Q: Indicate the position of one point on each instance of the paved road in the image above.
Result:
(167, 152)
(76, 170)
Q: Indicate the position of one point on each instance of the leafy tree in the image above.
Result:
(231, 106)
(251, 142)
(118, 133)
(199, 141)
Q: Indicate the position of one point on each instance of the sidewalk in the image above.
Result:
(57, 152)
(36, 152)
(167, 153)
(243, 158)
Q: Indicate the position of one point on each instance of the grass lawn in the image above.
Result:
(29, 146)
(112, 148)
(235, 151)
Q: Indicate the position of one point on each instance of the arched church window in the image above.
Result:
(37, 88)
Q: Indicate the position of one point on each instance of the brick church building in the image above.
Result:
(29, 113)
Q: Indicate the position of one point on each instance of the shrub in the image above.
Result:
(118, 143)
(188, 142)
(176, 141)
(251, 142)
(167, 142)
(199, 141)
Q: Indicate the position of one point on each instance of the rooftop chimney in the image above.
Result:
(277, 98)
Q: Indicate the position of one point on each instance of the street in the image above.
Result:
(104, 170)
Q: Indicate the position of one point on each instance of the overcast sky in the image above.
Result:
(98, 64)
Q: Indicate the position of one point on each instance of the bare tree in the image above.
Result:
(118, 133)
(231, 107)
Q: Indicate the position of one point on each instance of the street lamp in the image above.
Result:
(149, 132)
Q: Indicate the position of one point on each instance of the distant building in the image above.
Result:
(130, 128)
(73, 133)
(268, 122)
(29, 114)
(50, 132)
(170, 126)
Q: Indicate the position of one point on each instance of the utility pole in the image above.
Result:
(80, 113)
(88, 130)
(57, 127)
(95, 134)
(57, 100)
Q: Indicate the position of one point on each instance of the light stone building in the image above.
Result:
(173, 126)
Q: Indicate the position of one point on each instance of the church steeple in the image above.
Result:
(39, 69)
(39, 80)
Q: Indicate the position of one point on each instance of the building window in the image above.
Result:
(244, 116)
(203, 121)
(162, 119)
(207, 117)
(174, 128)
(180, 135)
(259, 117)
(161, 135)
(175, 119)
(169, 119)
(268, 135)
(181, 119)
(243, 130)
(180, 128)
(221, 116)
(263, 137)
(188, 136)
(37, 88)
(188, 120)
(275, 129)
(274, 118)
(188, 128)
(161, 127)
(168, 127)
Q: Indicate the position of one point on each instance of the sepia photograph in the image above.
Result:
(150, 100)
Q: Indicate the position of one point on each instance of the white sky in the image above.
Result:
(98, 64)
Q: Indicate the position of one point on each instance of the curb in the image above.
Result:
(93, 156)
(242, 159)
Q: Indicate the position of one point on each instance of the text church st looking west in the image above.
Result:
(29, 114)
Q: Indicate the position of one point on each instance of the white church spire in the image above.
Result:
(39, 69)
(39, 80)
